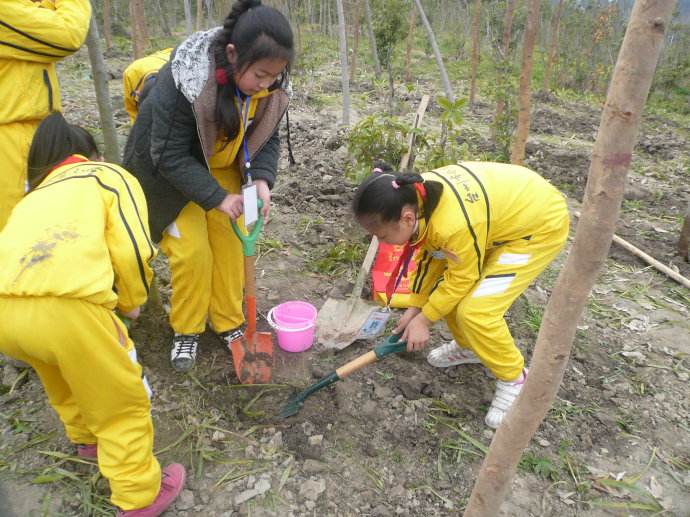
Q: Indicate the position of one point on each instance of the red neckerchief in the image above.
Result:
(403, 263)
(75, 158)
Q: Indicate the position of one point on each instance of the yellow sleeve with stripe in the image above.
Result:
(42, 32)
(461, 273)
(129, 243)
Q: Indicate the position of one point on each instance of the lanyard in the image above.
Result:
(399, 272)
(244, 115)
(400, 269)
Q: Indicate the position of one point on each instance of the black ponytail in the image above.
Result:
(54, 141)
(257, 32)
(378, 195)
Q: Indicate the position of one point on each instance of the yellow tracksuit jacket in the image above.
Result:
(33, 37)
(72, 250)
(136, 74)
(81, 232)
(496, 227)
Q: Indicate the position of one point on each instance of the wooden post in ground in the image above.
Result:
(611, 156)
(100, 84)
(517, 153)
(684, 235)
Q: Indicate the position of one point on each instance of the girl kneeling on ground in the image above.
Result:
(76, 248)
(482, 233)
(208, 122)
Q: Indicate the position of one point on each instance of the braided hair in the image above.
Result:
(385, 192)
(257, 32)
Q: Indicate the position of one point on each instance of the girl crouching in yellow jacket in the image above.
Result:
(482, 232)
(73, 250)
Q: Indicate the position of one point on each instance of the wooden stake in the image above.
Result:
(648, 259)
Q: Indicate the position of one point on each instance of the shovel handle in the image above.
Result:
(390, 346)
(249, 239)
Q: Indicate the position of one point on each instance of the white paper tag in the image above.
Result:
(374, 325)
(251, 209)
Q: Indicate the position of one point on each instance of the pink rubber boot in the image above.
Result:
(87, 450)
(172, 483)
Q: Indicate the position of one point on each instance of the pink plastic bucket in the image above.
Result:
(294, 314)
(295, 326)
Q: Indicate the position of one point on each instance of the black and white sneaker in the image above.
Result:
(231, 335)
(183, 353)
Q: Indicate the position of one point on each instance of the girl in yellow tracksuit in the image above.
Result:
(137, 75)
(206, 125)
(482, 232)
(34, 35)
(75, 249)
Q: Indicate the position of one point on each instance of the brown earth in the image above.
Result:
(401, 437)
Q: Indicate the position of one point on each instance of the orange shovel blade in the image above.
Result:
(253, 357)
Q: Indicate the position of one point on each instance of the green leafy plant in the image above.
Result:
(338, 259)
(540, 465)
(444, 148)
(376, 137)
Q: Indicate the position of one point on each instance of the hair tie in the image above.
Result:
(377, 170)
(221, 76)
(421, 190)
(395, 184)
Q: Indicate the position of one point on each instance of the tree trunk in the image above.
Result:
(685, 235)
(410, 44)
(189, 22)
(475, 49)
(209, 13)
(611, 157)
(391, 84)
(100, 82)
(439, 60)
(355, 44)
(343, 63)
(517, 154)
(199, 14)
(165, 26)
(140, 37)
(107, 26)
(372, 38)
(553, 46)
(505, 48)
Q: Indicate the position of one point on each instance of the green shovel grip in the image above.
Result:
(392, 345)
(249, 239)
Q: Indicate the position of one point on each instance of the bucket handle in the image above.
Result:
(272, 323)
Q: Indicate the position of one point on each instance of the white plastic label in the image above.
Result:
(375, 324)
(251, 209)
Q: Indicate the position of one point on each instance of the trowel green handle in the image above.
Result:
(249, 239)
(392, 345)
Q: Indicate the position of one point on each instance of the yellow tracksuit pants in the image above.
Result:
(206, 266)
(478, 321)
(15, 141)
(84, 359)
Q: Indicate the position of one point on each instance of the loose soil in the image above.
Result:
(401, 437)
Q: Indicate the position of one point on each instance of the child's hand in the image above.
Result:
(405, 319)
(264, 194)
(232, 205)
(417, 333)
